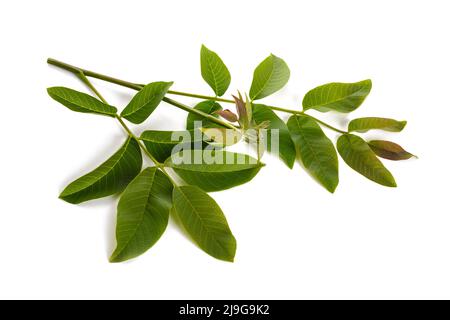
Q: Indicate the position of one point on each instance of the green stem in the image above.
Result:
(136, 86)
(92, 74)
(200, 96)
(158, 164)
(89, 84)
(87, 73)
(307, 115)
(200, 113)
(131, 134)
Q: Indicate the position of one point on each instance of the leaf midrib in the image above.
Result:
(133, 110)
(88, 107)
(266, 81)
(202, 221)
(216, 87)
(311, 149)
(141, 218)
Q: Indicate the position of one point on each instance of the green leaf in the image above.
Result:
(389, 150)
(316, 151)
(80, 102)
(360, 157)
(209, 107)
(286, 152)
(145, 102)
(161, 143)
(142, 214)
(336, 96)
(370, 123)
(109, 178)
(214, 71)
(204, 221)
(214, 170)
(270, 76)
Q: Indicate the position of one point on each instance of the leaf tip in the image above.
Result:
(368, 81)
(68, 199)
(50, 91)
(113, 259)
(332, 188)
(229, 258)
(403, 124)
(390, 182)
(116, 257)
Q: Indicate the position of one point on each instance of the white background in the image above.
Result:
(295, 240)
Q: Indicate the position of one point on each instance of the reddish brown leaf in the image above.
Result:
(241, 110)
(389, 150)
(227, 114)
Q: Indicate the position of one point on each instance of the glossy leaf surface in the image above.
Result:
(204, 221)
